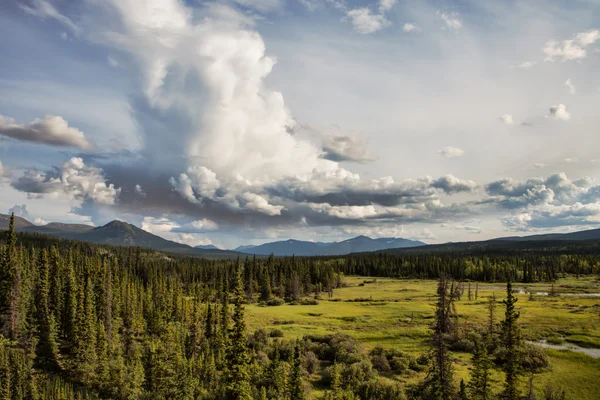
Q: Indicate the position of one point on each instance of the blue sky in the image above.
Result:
(236, 122)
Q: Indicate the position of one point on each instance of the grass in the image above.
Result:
(397, 313)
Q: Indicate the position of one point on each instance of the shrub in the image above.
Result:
(274, 302)
(276, 333)
(377, 390)
(309, 302)
(380, 363)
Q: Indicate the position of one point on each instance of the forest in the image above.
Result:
(84, 321)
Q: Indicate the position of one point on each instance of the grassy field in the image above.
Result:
(398, 313)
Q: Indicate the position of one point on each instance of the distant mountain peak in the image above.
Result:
(358, 244)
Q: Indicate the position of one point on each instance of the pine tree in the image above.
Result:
(511, 338)
(480, 382)
(84, 348)
(47, 347)
(296, 391)
(275, 376)
(70, 309)
(491, 315)
(10, 285)
(237, 380)
(462, 393)
(439, 384)
(265, 287)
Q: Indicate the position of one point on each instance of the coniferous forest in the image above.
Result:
(84, 321)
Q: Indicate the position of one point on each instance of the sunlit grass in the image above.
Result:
(397, 313)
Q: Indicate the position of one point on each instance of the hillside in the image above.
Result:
(116, 233)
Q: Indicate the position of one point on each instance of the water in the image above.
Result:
(594, 353)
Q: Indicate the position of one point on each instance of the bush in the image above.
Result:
(385, 360)
(258, 340)
(276, 333)
(380, 363)
(535, 359)
(337, 347)
(312, 365)
(274, 302)
(377, 390)
(309, 302)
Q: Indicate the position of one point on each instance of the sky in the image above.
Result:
(245, 121)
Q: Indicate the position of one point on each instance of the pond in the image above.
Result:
(594, 353)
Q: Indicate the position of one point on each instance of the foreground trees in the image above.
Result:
(80, 321)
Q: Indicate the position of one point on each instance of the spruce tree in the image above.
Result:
(511, 338)
(296, 391)
(47, 347)
(70, 309)
(481, 381)
(237, 379)
(439, 384)
(10, 285)
(462, 393)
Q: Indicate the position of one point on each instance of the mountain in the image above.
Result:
(20, 223)
(588, 240)
(244, 247)
(358, 244)
(116, 233)
(207, 247)
(591, 234)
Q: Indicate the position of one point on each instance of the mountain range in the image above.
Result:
(359, 244)
(120, 233)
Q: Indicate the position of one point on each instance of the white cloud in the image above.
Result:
(451, 152)
(560, 113)
(538, 165)
(20, 211)
(386, 5)
(259, 203)
(526, 64)
(51, 130)
(346, 148)
(39, 221)
(171, 230)
(44, 9)
(112, 62)
(451, 20)
(140, 191)
(570, 160)
(408, 27)
(311, 5)
(74, 180)
(571, 49)
(364, 22)
(507, 119)
(261, 5)
(199, 226)
(569, 85)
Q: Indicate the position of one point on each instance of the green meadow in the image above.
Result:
(397, 313)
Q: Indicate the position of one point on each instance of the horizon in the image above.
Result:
(281, 240)
(241, 122)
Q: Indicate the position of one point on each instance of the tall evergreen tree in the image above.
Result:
(10, 285)
(511, 338)
(47, 347)
(439, 385)
(237, 380)
(481, 381)
(296, 391)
